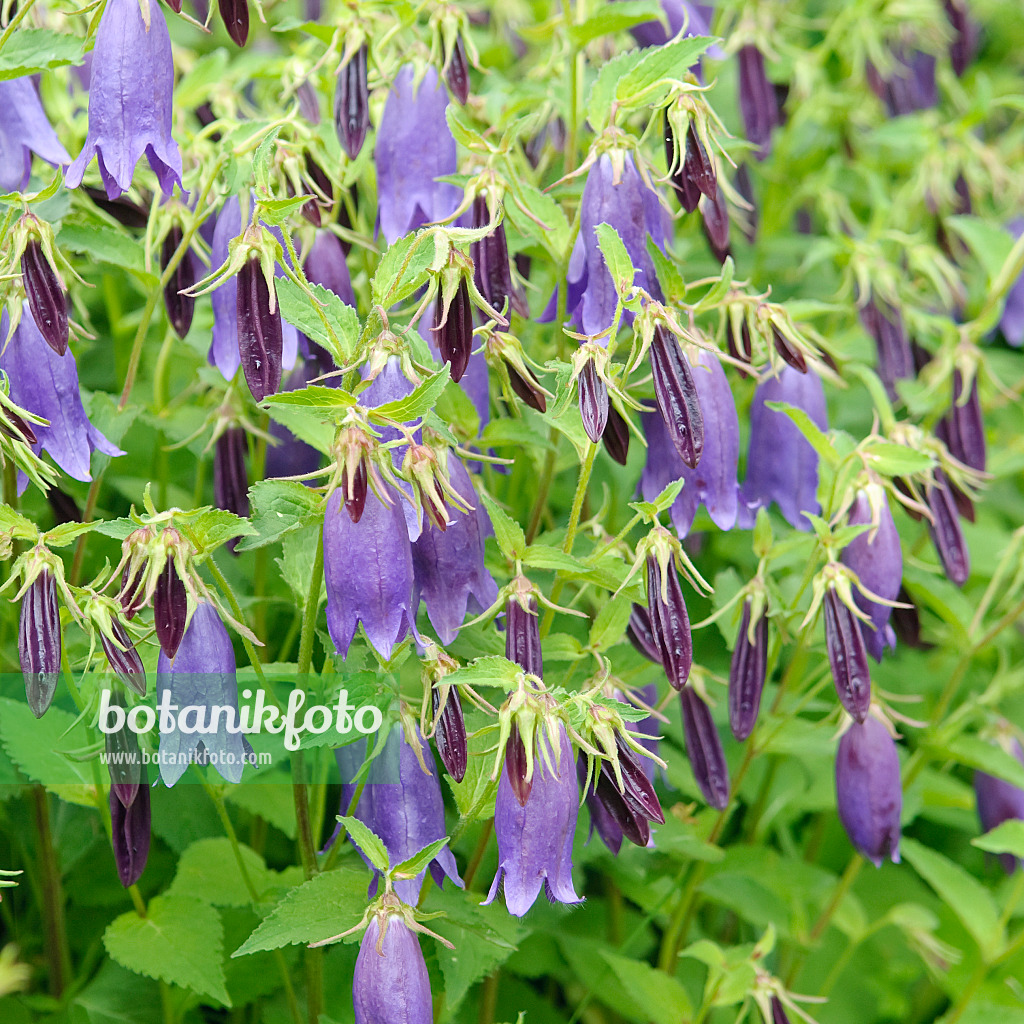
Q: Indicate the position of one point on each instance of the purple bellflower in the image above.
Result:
(290, 456)
(878, 563)
(999, 801)
(47, 384)
(781, 464)
(911, 86)
(390, 984)
(535, 838)
(325, 265)
(24, 130)
(1012, 321)
(402, 805)
(696, 17)
(449, 564)
(201, 677)
(414, 148)
(759, 105)
(130, 92)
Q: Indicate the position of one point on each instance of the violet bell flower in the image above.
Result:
(1011, 323)
(999, 800)
(200, 678)
(535, 838)
(24, 130)
(47, 384)
(130, 91)
(290, 456)
(414, 149)
(390, 984)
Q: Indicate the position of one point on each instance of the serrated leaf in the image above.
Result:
(313, 396)
(507, 532)
(664, 1000)
(16, 524)
(417, 403)
(615, 18)
(403, 268)
(278, 507)
(659, 62)
(262, 158)
(602, 92)
(616, 259)
(66, 533)
(474, 795)
(488, 671)
(208, 871)
(610, 622)
(180, 941)
(301, 313)
(897, 459)
(213, 527)
(555, 234)
(420, 860)
(31, 50)
(368, 841)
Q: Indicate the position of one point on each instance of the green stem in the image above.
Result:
(170, 1017)
(236, 611)
(87, 514)
(15, 21)
(478, 854)
(542, 492)
(578, 498)
(57, 952)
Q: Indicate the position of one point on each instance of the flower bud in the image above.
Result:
(704, 749)
(450, 736)
(453, 330)
(759, 106)
(124, 659)
(683, 184)
(457, 71)
(964, 428)
(868, 792)
(906, 622)
(260, 340)
(130, 828)
(236, 19)
(522, 635)
(124, 762)
(355, 493)
(676, 395)
(641, 634)
(698, 167)
(170, 609)
(19, 429)
(390, 984)
(964, 46)
(779, 1015)
(517, 766)
(593, 398)
(847, 656)
(616, 436)
(527, 388)
(492, 271)
(895, 359)
(46, 298)
(352, 104)
(670, 623)
(947, 536)
(715, 212)
(790, 354)
(179, 307)
(39, 641)
(747, 674)
(230, 480)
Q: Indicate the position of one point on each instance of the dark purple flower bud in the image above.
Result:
(352, 104)
(965, 36)
(170, 609)
(637, 786)
(715, 214)
(779, 1015)
(179, 307)
(947, 536)
(593, 398)
(65, 508)
(492, 271)
(230, 480)
(999, 801)
(132, 594)
(527, 388)
(698, 167)
(964, 428)
(453, 330)
(885, 324)
(616, 436)
(912, 85)
(236, 19)
(670, 623)
(39, 642)
(683, 184)
(18, 429)
(516, 766)
(535, 838)
(124, 658)
(457, 72)
(46, 298)
(745, 187)
(847, 656)
(124, 761)
(758, 103)
(355, 495)
(450, 736)
(24, 130)
(641, 633)
(704, 749)
(868, 792)
(907, 622)
(260, 340)
(130, 828)
(677, 398)
(122, 209)
(522, 636)
(747, 674)
(130, 91)
(390, 984)
(790, 354)
(616, 815)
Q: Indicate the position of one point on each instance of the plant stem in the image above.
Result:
(236, 611)
(57, 953)
(15, 21)
(578, 498)
(87, 514)
(478, 854)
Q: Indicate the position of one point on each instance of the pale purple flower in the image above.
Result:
(325, 265)
(24, 130)
(781, 464)
(1012, 321)
(999, 801)
(910, 87)
(130, 92)
(201, 677)
(414, 149)
(47, 384)
(391, 986)
(290, 456)
(535, 839)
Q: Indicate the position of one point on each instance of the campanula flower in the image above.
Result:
(390, 984)
(289, 456)
(130, 833)
(39, 642)
(759, 105)
(999, 800)
(704, 750)
(24, 130)
(130, 91)
(747, 672)
(47, 384)
(697, 18)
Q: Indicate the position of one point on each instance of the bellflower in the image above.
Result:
(402, 805)
(999, 800)
(781, 464)
(24, 130)
(290, 456)
(390, 984)
(696, 17)
(202, 675)
(47, 384)
(449, 564)
(325, 265)
(414, 148)
(535, 839)
(130, 100)
(1012, 321)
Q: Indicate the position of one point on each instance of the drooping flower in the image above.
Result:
(999, 800)
(402, 805)
(180, 307)
(868, 792)
(39, 642)
(747, 672)
(704, 749)
(130, 100)
(947, 533)
(47, 384)
(129, 805)
(847, 656)
(758, 103)
(781, 464)
(24, 130)
(352, 104)
(910, 86)
(676, 395)
(46, 296)
(535, 838)
(201, 677)
(670, 622)
(414, 149)
(964, 45)
(884, 322)
(390, 984)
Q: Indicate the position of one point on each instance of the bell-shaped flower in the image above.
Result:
(24, 130)
(390, 984)
(449, 564)
(759, 105)
(199, 685)
(1011, 323)
(402, 805)
(414, 149)
(781, 464)
(999, 800)
(535, 838)
(289, 456)
(47, 384)
(130, 92)
(325, 265)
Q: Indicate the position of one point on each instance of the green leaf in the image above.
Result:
(897, 459)
(16, 524)
(262, 159)
(610, 622)
(417, 403)
(664, 1000)
(507, 532)
(983, 756)
(403, 268)
(418, 862)
(602, 92)
(659, 62)
(278, 507)
(66, 533)
(301, 313)
(555, 234)
(327, 904)
(489, 671)
(818, 440)
(474, 795)
(989, 242)
(313, 396)
(620, 266)
(31, 50)
(102, 243)
(367, 841)
(615, 18)
(962, 893)
(1005, 838)
(180, 941)
(298, 549)
(208, 871)
(213, 527)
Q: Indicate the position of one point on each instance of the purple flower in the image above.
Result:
(747, 673)
(201, 677)
(704, 750)
(369, 575)
(878, 564)
(39, 642)
(402, 805)
(130, 100)
(325, 265)
(999, 801)
(390, 984)
(781, 464)
(912, 85)
(868, 792)
(24, 130)
(697, 18)
(47, 384)
(758, 103)
(1012, 321)
(130, 828)
(290, 456)
(885, 325)
(535, 839)
(414, 148)
(449, 564)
